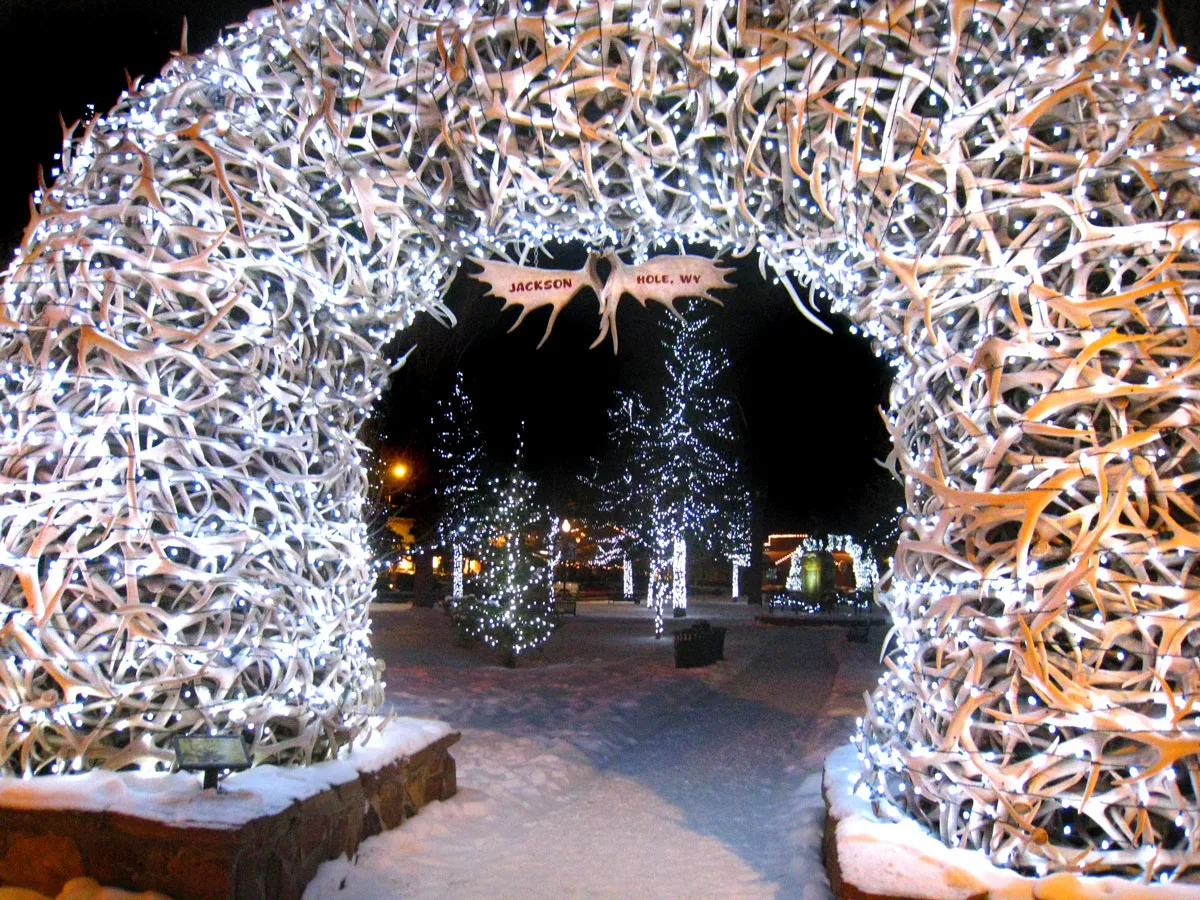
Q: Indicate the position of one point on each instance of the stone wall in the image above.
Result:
(270, 858)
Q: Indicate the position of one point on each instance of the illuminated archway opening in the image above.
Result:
(1003, 195)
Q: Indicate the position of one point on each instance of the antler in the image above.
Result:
(532, 289)
(663, 279)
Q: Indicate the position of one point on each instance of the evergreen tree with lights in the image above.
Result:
(459, 451)
(513, 610)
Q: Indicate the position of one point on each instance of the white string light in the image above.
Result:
(513, 611)
(1002, 196)
(456, 574)
(866, 571)
(459, 449)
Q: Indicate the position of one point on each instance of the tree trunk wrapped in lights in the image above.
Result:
(1002, 193)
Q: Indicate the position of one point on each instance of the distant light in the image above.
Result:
(400, 470)
(566, 526)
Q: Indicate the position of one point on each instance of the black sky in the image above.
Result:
(810, 399)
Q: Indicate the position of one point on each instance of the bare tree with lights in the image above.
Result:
(459, 451)
(629, 488)
(671, 474)
(618, 479)
(697, 477)
(734, 540)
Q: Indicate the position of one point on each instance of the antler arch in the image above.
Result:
(1002, 194)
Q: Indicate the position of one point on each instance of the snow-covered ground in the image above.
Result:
(597, 769)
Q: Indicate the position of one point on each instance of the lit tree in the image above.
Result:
(628, 486)
(698, 482)
(670, 475)
(661, 556)
(628, 466)
(734, 540)
(513, 609)
(460, 453)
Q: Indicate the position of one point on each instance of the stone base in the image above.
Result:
(269, 858)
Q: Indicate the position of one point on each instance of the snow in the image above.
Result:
(597, 769)
(177, 798)
(902, 859)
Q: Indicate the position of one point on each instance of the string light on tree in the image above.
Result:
(619, 483)
(558, 527)
(737, 563)
(457, 566)
(694, 475)
(1001, 195)
(736, 542)
(459, 451)
(678, 574)
(670, 473)
(513, 611)
(661, 585)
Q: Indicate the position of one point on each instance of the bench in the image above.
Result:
(565, 605)
(852, 612)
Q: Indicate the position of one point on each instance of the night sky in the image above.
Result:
(809, 399)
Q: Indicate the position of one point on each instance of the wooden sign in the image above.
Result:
(663, 279)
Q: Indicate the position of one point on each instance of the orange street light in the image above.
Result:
(400, 470)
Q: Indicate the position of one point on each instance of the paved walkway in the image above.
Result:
(597, 769)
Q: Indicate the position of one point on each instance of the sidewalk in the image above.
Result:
(599, 770)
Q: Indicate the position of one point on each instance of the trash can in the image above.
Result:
(699, 645)
(691, 649)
